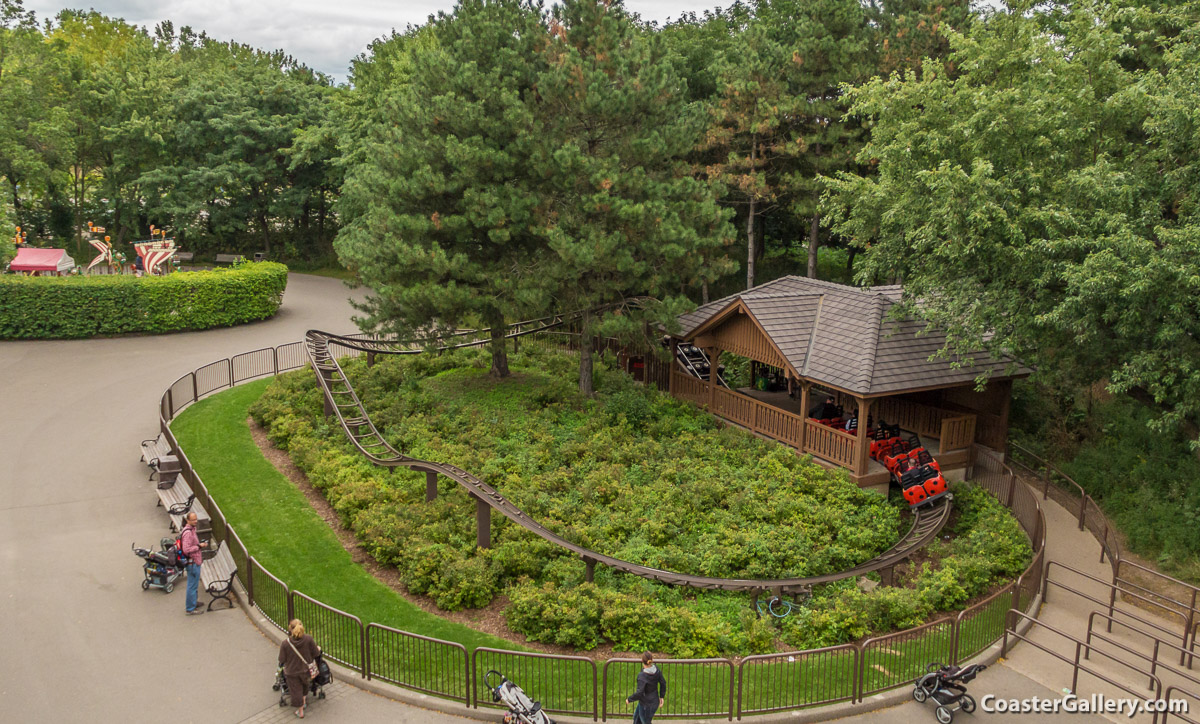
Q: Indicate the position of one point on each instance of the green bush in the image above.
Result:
(88, 306)
(632, 473)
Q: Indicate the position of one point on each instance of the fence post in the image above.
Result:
(730, 689)
(171, 400)
(249, 577)
(1012, 490)
(467, 659)
(195, 388)
(1083, 509)
(954, 629)
(275, 359)
(291, 607)
(858, 674)
(229, 364)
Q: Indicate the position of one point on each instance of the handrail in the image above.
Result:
(283, 360)
(1076, 666)
(1152, 657)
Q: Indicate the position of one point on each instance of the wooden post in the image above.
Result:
(370, 359)
(483, 523)
(862, 448)
(672, 364)
(590, 574)
(713, 359)
(430, 486)
(754, 374)
(804, 387)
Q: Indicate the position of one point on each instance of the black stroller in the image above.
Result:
(316, 687)
(163, 567)
(521, 709)
(946, 685)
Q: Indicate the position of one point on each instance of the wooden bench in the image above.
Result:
(217, 574)
(158, 455)
(229, 258)
(154, 449)
(179, 500)
(185, 255)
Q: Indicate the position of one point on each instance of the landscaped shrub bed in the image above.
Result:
(87, 306)
(633, 474)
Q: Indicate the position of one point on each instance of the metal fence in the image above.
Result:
(573, 684)
(420, 663)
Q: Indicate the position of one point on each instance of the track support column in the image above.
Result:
(483, 523)
(590, 574)
(430, 486)
(370, 359)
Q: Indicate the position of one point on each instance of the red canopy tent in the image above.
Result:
(45, 261)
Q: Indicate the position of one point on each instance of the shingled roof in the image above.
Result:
(842, 336)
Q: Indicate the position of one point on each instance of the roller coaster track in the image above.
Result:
(342, 400)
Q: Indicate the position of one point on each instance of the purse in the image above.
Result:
(312, 665)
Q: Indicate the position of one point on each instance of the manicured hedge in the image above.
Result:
(87, 306)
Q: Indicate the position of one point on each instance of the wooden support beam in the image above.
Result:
(590, 574)
(805, 385)
(370, 359)
(862, 447)
(483, 523)
(430, 486)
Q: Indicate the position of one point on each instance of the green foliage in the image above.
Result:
(1052, 179)
(1146, 481)
(988, 547)
(72, 307)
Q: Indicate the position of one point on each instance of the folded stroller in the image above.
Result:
(946, 686)
(521, 709)
(316, 687)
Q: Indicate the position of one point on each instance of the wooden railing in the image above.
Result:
(830, 444)
(689, 388)
(955, 430)
(957, 433)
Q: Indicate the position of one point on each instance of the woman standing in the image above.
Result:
(296, 652)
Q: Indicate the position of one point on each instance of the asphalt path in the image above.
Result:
(79, 638)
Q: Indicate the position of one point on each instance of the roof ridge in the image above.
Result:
(866, 368)
(812, 337)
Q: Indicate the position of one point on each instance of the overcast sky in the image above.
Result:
(323, 34)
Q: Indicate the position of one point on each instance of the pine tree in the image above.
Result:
(623, 215)
(438, 215)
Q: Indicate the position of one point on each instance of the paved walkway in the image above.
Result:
(79, 639)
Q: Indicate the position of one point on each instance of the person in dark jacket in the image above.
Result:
(651, 691)
(296, 652)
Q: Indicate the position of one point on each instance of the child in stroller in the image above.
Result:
(316, 687)
(946, 685)
(521, 709)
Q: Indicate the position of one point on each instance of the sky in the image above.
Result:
(324, 35)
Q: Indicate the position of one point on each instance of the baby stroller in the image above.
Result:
(946, 685)
(162, 568)
(521, 709)
(316, 687)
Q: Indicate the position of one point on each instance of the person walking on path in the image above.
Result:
(189, 542)
(297, 654)
(651, 691)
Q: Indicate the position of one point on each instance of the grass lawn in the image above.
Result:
(283, 532)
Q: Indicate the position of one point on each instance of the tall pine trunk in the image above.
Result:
(750, 244)
(585, 357)
(814, 243)
(750, 223)
(499, 351)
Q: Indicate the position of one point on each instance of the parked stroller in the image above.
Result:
(946, 685)
(162, 567)
(521, 709)
(316, 687)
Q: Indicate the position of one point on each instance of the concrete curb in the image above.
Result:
(883, 700)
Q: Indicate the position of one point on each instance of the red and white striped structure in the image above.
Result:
(154, 253)
(105, 255)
